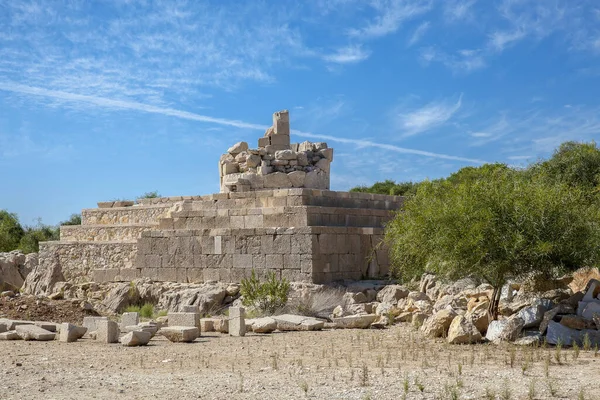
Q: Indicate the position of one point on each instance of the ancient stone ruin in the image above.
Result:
(274, 214)
(276, 163)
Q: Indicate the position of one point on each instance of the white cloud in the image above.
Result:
(418, 33)
(457, 10)
(390, 15)
(462, 61)
(118, 104)
(425, 118)
(347, 55)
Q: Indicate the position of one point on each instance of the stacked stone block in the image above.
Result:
(276, 163)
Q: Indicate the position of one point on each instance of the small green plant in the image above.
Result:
(304, 386)
(531, 392)
(147, 310)
(149, 195)
(419, 385)
(364, 376)
(405, 383)
(490, 394)
(581, 394)
(552, 387)
(506, 393)
(268, 296)
(587, 344)
(557, 351)
(162, 313)
(547, 365)
(576, 351)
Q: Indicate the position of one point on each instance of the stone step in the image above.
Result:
(298, 216)
(285, 197)
(124, 215)
(103, 233)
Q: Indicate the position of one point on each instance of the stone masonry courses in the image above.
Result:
(300, 233)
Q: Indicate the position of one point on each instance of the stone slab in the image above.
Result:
(107, 331)
(178, 334)
(32, 332)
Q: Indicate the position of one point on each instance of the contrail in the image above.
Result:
(131, 105)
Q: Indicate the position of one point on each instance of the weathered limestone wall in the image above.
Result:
(94, 261)
(311, 254)
(103, 233)
(125, 215)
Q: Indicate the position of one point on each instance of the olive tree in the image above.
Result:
(497, 224)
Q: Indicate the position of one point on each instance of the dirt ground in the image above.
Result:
(32, 308)
(394, 363)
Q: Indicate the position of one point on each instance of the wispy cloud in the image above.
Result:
(462, 61)
(118, 104)
(425, 118)
(347, 55)
(458, 10)
(390, 15)
(418, 33)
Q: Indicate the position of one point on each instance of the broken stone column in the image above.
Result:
(129, 319)
(281, 123)
(237, 323)
(107, 331)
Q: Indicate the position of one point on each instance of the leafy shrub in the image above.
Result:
(11, 231)
(145, 311)
(74, 219)
(494, 223)
(268, 296)
(389, 187)
(149, 195)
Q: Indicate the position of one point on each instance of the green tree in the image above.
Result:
(389, 187)
(74, 219)
(573, 163)
(30, 242)
(494, 223)
(11, 231)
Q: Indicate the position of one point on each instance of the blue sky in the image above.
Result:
(110, 99)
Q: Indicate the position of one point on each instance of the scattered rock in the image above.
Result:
(437, 325)
(180, 333)
(291, 322)
(264, 325)
(391, 294)
(462, 331)
(355, 321)
(504, 330)
(32, 332)
(70, 333)
(136, 338)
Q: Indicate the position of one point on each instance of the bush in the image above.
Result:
(149, 195)
(74, 219)
(30, 242)
(11, 231)
(267, 297)
(389, 187)
(494, 223)
(145, 311)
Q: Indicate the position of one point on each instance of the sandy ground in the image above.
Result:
(395, 363)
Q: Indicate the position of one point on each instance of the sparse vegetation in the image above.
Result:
(149, 195)
(266, 297)
(146, 310)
